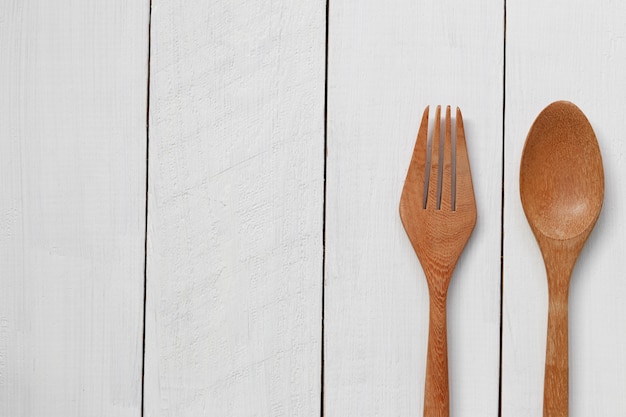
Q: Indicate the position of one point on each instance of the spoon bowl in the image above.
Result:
(561, 188)
(561, 175)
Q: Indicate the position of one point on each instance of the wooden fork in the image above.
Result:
(438, 211)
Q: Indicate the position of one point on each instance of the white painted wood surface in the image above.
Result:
(72, 204)
(235, 260)
(387, 61)
(236, 179)
(574, 51)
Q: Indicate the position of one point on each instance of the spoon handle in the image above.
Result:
(436, 393)
(555, 390)
(559, 257)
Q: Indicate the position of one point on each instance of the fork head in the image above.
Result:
(437, 207)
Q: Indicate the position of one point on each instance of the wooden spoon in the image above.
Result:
(562, 187)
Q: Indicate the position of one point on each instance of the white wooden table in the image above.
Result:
(199, 206)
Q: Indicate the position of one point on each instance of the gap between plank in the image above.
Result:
(502, 209)
(324, 205)
(145, 242)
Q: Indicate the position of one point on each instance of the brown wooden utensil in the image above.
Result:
(562, 188)
(438, 211)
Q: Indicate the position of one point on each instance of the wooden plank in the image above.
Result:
(573, 51)
(387, 61)
(235, 209)
(72, 174)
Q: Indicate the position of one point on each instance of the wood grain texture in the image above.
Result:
(72, 174)
(576, 52)
(438, 233)
(235, 227)
(387, 61)
(562, 189)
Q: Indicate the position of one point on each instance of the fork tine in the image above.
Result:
(464, 187)
(434, 192)
(413, 191)
(447, 175)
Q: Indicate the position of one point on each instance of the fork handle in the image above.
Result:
(436, 394)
